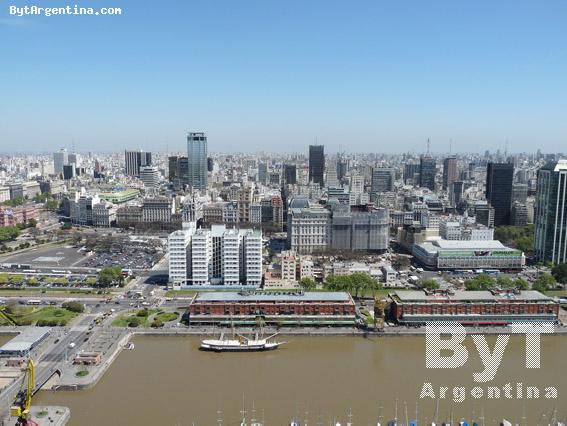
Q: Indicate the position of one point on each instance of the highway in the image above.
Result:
(50, 357)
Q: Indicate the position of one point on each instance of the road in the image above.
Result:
(50, 357)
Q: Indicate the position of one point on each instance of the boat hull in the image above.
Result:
(239, 348)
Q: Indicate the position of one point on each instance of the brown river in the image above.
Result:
(168, 381)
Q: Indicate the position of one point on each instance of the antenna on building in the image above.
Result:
(73, 146)
(428, 146)
(450, 145)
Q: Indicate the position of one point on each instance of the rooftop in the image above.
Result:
(233, 296)
(25, 340)
(460, 295)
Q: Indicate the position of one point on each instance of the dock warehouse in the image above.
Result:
(23, 343)
(497, 307)
(276, 308)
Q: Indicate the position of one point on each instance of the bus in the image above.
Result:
(126, 272)
(33, 302)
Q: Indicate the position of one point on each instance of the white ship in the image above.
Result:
(240, 343)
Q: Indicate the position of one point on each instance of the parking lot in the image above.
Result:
(47, 256)
(131, 258)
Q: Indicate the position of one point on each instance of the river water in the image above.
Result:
(168, 381)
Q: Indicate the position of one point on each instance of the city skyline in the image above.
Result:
(381, 77)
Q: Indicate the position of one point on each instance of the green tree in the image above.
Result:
(41, 198)
(133, 322)
(362, 282)
(9, 233)
(157, 323)
(559, 272)
(544, 282)
(18, 201)
(51, 205)
(73, 306)
(504, 282)
(429, 284)
(110, 276)
(32, 282)
(521, 284)
(525, 244)
(481, 282)
(143, 313)
(520, 237)
(307, 284)
(32, 223)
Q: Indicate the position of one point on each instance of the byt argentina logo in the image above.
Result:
(448, 336)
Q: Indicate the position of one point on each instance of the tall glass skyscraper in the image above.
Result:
(499, 179)
(550, 215)
(427, 171)
(316, 163)
(133, 160)
(197, 160)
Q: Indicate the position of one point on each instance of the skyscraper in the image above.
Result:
(410, 170)
(172, 168)
(382, 181)
(149, 175)
(342, 168)
(133, 160)
(499, 179)
(59, 160)
(316, 163)
(290, 174)
(197, 160)
(456, 192)
(551, 215)
(450, 174)
(427, 169)
(262, 172)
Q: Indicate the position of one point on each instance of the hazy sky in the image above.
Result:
(368, 76)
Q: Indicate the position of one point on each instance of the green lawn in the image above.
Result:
(144, 321)
(166, 316)
(52, 292)
(556, 293)
(31, 315)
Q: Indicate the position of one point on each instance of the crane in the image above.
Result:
(22, 402)
(7, 317)
(380, 307)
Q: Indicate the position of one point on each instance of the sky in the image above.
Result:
(268, 75)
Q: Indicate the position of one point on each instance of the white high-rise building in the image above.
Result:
(231, 257)
(252, 260)
(201, 257)
(179, 246)
(216, 256)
